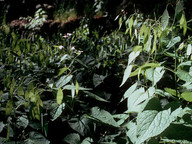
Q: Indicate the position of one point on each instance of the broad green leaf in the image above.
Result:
(132, 131)
(187, 63)
(183, 75)
(151, 123)
(171, 91)
(103, 116)
(20, 91)
(135, 100)
(94, 96)
(57, 111)
(87, 140)
(122, 118)
(126, 74)
(187, 95)
(173, 41)
(59, 96)
(189, 49)
(9, 107)
(155, 74)
(62, 71)
(36, 138)
(22, 121)
(165, 19)
(129, 91)
(98, 79)
(132, 56)
(63, 81)
(137, 48)
(79, 125)
(146, 35)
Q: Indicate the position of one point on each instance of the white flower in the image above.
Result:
(72, 48)
(61, 47)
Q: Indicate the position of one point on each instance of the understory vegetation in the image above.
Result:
(130, 85)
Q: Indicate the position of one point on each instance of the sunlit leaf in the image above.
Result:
(59, 96)
(173, 41)
(1, 126)
(62, 71)
(165, 19)
(183, 75)
(155, 74)
(187, 95)
(126, 74)
(151, 123)
(179, 7)
(129, 91)
(183, 24)
(132, 56)
(77, 88)
(189, 49)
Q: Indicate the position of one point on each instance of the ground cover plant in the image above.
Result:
(131, 85)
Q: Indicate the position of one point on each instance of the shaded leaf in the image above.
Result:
(1, 126)
(132, 56)
(9, 107)
(98, 79)
(63, 81)
(72, 138)
(173, 41)
(94, 96)
(57, 111)
(36, 138)
(103, 116)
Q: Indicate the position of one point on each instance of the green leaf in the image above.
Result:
(59, 96)
(132, 56)
(165, 19)
(57, 111)
(183, 24)
(103, 117)
(9, 107)
(179, 8)
(22, 121)
(155, 74)
(73, 87)
(154, 42)
(187, 95)
(87, 140)
(36, 138)
(12, 86)
(132, 131)
(79, 125)
(135, 100)
(183, 75)
(171, 91)
(126, 74)
(151, 123)
(94, 96)
(98, 79)
(2, 125)
(189, 49)
(63, 81)
(187, 63)
(129, 91)
(173, 41)
(147, 45)
(62, 71)
(72, 138)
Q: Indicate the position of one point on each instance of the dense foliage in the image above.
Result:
(129, 85)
